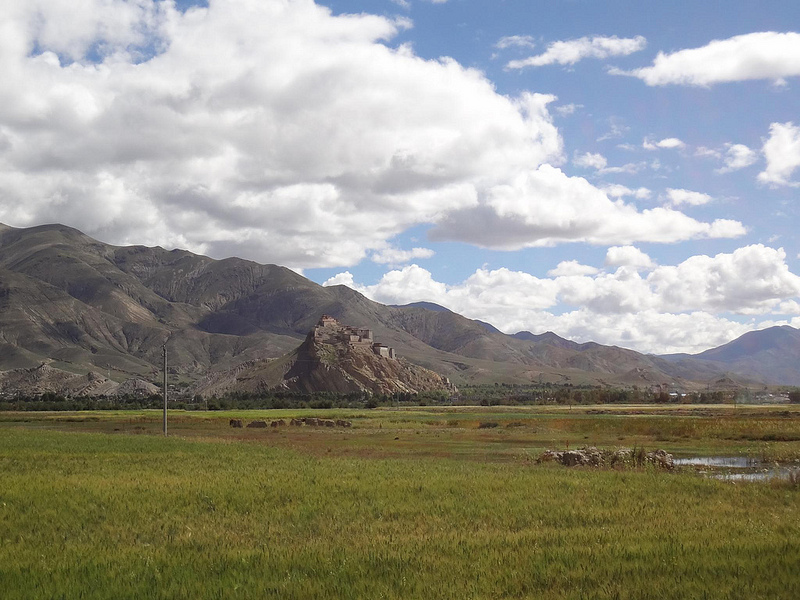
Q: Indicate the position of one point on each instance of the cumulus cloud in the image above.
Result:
(738, 156)
(396, 256)
(512, 41)
(671, 309)
(668, 143)
(545, 207)
(705, 152)
(571, 51)
(676, 197)
(628, 168)
(616, 130)
(761, 55)
(751, 280)
(266, 129)
(567, 109)
(590, 160)
(628, 256)
(279, 132)
(568, 268)
(782, 151)
(616, 190)
(733, 156)
(343, 278)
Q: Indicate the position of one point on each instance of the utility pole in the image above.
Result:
(164, 348)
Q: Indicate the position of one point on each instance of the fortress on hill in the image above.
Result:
(329, 330)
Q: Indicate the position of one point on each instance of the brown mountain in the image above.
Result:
(333, 358)
(769, 356)
(82, 305)
(44, 379)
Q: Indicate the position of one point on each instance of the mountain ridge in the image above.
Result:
(332, 358)
(78, 303)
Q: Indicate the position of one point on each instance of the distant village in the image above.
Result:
(329, 330)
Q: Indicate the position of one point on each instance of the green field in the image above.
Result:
(413, 503)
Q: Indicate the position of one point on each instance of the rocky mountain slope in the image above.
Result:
(333, 359)
(75, 303)
(768, 356)
(46, 379)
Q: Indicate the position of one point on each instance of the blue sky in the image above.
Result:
(618, 171)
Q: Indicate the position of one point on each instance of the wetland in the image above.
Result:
(423, 502)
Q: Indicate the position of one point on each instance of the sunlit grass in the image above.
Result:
(424, 516)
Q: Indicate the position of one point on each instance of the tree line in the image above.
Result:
(485, 395)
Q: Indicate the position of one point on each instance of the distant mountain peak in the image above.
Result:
(426, 305)
(69, 299)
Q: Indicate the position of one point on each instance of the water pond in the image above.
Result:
(739, 468)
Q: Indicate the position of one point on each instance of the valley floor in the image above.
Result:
(407, 503)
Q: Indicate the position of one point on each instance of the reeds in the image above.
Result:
(99, 516)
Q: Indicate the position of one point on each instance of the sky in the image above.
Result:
(622, 172)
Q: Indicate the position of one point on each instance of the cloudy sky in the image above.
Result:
(620, 171)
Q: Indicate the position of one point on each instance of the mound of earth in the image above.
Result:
(333, 358)
(137, 387)
(46, 379)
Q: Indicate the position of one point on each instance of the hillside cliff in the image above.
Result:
(333, 358)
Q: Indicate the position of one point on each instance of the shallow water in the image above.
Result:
(738, 468)
(737, 462)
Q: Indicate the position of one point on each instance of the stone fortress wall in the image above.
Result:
(330, 330)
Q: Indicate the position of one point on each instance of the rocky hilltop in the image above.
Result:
(333, 358)
(46, 379)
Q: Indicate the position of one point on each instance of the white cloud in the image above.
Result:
(515, 41)
(751, 280)
(216, 143)
(669, 143)
(627, 168)
(677, 197)
(343, 278)
(670, 310)
(628, 256)
(567, 109)
(571, 51)
(616, 129)
(545, 207)
(277, 131)
(620, 191)
(395, 256)
(704, 152)
(762, 55)
(590, 161)
(737, 156)
(569, 268)
(782, 151)
(734, 156)
(789, 307)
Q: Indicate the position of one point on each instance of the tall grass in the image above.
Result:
(98, 516)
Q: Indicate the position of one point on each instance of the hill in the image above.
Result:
(80, 305)
(333, 358)
(770, 355)
(46, 379)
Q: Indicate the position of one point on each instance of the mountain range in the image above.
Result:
(79, 305)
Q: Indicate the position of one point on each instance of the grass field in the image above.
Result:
(413, 503)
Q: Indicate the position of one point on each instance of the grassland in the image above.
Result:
(415, 503)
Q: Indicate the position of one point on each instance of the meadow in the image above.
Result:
(426, 502)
